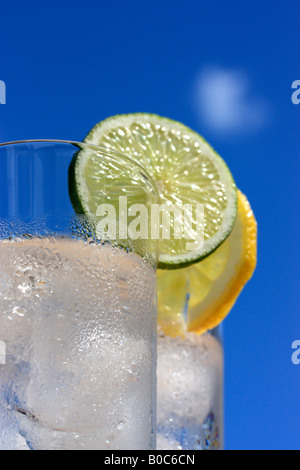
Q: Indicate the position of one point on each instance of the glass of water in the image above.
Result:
(77, 306)
(190, 392)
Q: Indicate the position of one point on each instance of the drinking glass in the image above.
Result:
(77, 302)
(190, 392)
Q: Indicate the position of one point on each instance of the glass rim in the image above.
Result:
(95, 147)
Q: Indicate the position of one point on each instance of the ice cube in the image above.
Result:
(189, 372)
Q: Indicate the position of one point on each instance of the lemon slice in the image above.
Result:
(184, 168)
(199, 297)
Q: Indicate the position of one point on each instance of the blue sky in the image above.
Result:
(224, 68)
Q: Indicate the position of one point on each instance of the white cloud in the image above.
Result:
(226, 102)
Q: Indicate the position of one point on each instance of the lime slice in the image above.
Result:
(187, 172)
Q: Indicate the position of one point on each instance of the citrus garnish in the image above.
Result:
(183, 167)
(199, 297)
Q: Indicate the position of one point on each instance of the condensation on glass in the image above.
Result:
(77, 313)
